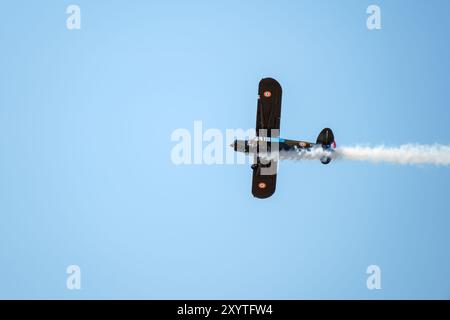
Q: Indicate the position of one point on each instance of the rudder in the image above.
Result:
(326, 137)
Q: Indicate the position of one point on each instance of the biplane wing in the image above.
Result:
(267, 125)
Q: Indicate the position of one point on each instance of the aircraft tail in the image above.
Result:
(326, 139)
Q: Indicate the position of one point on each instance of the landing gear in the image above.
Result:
(325, 160)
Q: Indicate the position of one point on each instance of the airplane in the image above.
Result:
(267, 139)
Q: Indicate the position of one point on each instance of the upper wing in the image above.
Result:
(268, 117)
(269, 105)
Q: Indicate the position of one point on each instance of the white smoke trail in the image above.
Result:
(315, 153)
(405, 154)
(413, 154)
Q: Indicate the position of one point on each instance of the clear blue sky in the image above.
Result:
(86, 176)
